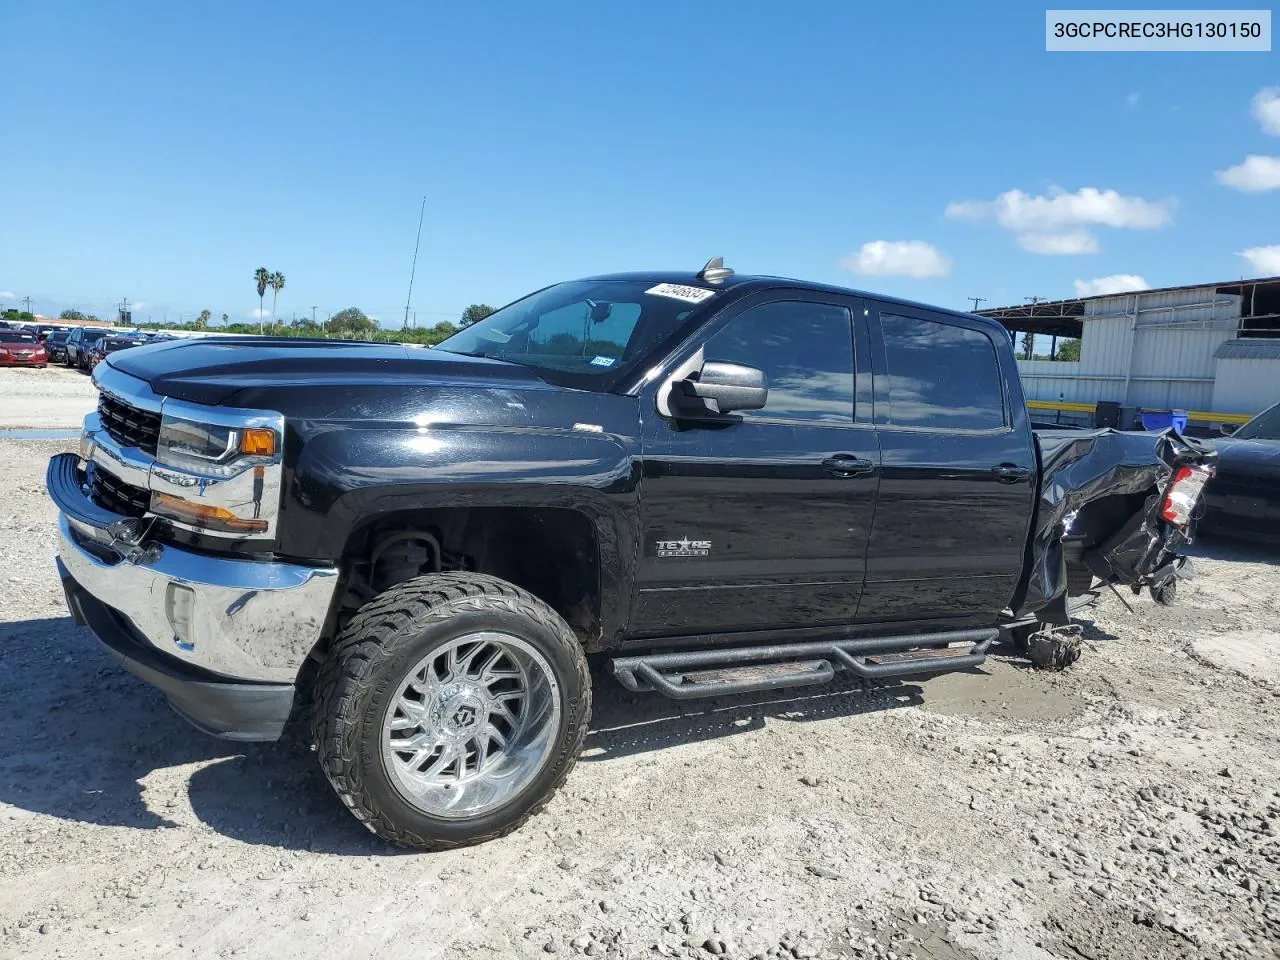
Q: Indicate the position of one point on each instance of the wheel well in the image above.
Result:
(551, 552)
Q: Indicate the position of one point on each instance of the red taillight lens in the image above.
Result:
(1184, 491)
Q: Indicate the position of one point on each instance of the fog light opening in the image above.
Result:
(178, 604)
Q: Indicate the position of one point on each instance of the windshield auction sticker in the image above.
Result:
(1121, 31)
(678, 291)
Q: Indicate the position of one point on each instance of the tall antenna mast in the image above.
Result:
(414, 269)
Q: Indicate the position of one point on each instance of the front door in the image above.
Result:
(760, 519)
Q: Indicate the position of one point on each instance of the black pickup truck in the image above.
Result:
(729, 484)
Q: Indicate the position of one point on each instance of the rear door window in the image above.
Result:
(941, 375)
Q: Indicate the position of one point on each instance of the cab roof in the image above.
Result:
(743, 284)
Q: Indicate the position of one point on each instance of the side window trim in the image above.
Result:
(882, 390)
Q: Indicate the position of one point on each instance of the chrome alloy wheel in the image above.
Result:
(471, 725)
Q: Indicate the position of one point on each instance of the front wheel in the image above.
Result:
(451, 709)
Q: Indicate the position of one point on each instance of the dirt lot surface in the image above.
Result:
(55, 397)
(1126, 808)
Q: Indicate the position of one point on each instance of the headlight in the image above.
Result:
(211, 449)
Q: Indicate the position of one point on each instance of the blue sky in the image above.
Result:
(163, 151)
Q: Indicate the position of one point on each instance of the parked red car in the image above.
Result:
(21, 349)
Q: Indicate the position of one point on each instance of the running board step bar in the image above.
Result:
(689, 674)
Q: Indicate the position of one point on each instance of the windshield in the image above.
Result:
(14, 337)
(1265, 426)
(113, 345)
(582, 332)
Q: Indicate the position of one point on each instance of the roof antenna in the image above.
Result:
(715, 271)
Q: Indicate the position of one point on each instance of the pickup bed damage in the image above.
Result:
(1103, 511)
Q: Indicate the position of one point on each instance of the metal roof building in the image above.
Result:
(1211, 349)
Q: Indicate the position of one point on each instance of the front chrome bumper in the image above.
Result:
(242, 619)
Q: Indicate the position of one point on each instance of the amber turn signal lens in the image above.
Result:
(258, 442)
(202, 515)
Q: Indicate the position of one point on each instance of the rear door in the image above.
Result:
(760, 520)
(957, 471)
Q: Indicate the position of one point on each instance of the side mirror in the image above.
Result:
(720, 388)
(1227, 429)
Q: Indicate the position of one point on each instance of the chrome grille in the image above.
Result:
(128, 425)
(112, 493)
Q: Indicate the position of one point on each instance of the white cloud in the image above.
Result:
(258, 314)
(1015, 210)
(1256, 174)
(1265, 261)
(1116, 283)
(1059, 244)
(1266, 108)
(898, 258)
(8, 295)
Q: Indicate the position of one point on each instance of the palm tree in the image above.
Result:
(262, 277)
(276, 283)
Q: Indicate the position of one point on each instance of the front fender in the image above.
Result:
(346, 474)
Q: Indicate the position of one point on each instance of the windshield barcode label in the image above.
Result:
(678, 291)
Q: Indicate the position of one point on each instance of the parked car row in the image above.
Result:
(79, 347)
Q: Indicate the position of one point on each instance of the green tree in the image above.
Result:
(276, 283)
(225, 318)
(202, 321)
(1028, 344)
(1069, 350)
(262, 278)
(351, 323)
(75, 316)
(477, 311)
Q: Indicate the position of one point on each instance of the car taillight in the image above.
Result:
(1184, 491)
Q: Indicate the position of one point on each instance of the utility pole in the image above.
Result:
(27, 302)
(976, 301)
(313, 314)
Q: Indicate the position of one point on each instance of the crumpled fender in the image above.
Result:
(1078, 468)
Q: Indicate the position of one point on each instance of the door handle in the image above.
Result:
(1010, 473)
(847, 465)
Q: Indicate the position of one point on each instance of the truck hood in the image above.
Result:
(214, 371)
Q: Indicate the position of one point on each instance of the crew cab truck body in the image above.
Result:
(728, 483)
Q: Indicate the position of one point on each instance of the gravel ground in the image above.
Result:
(55, 397)
(1126, 808)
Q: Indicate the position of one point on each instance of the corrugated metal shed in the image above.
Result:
(1248, 350)
(1161, 349)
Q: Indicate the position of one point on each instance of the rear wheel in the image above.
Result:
(451, 709)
